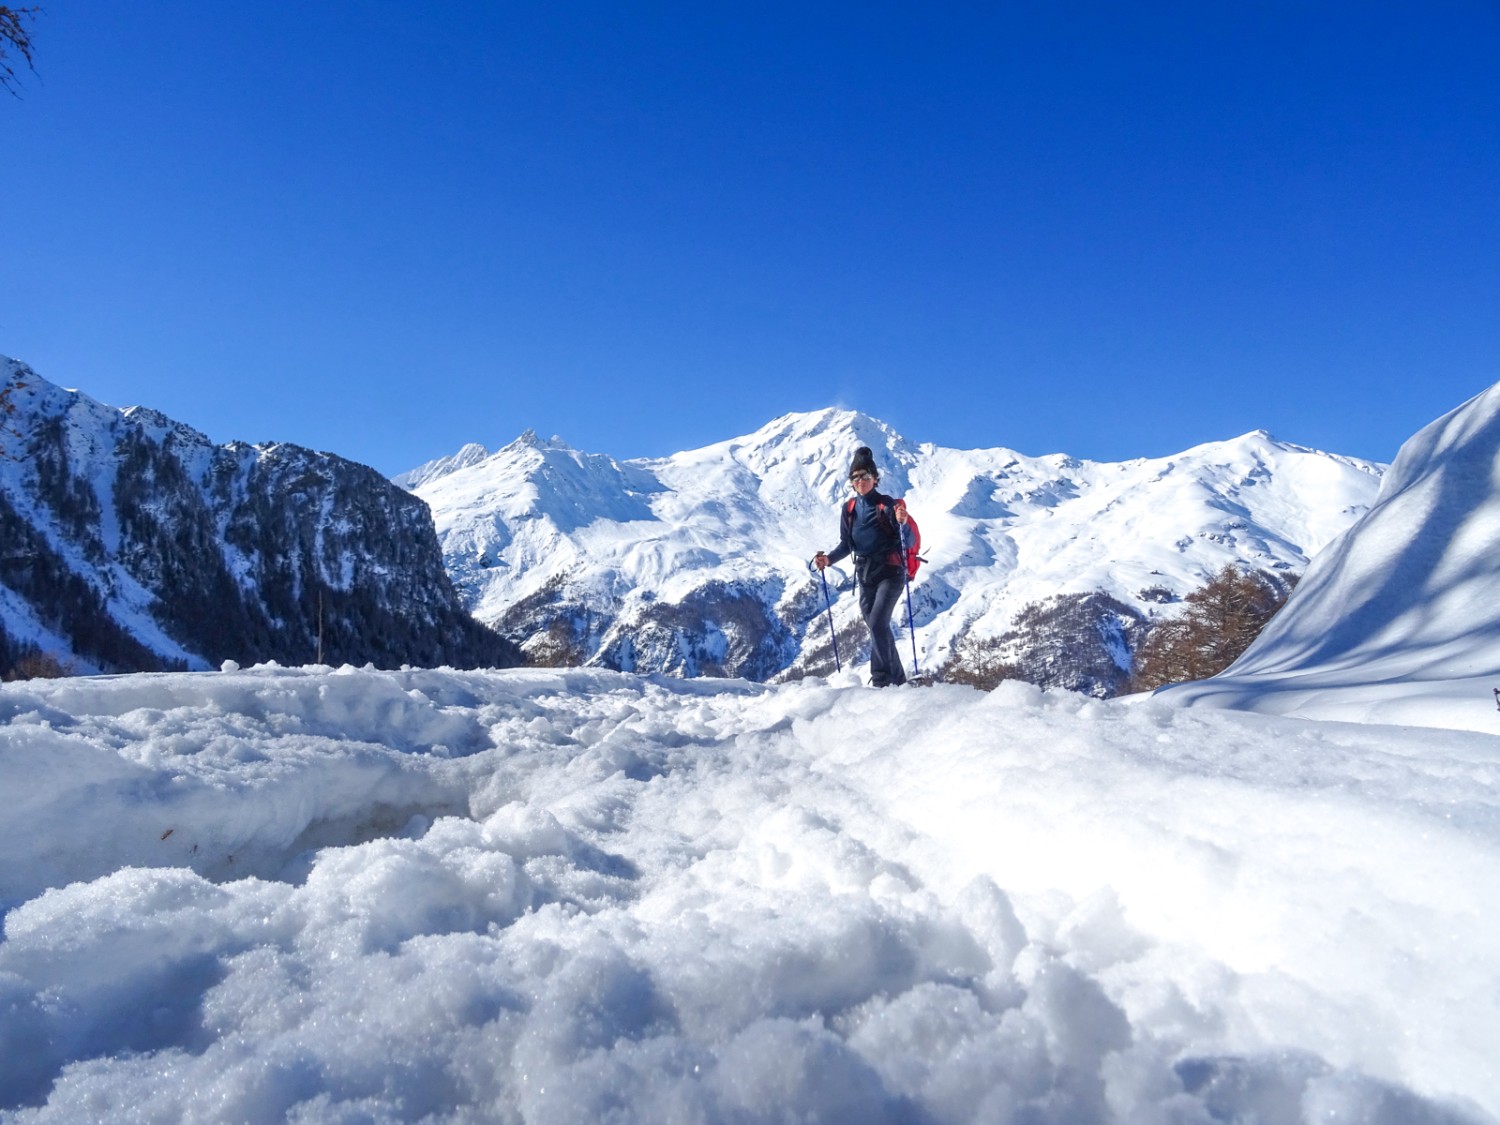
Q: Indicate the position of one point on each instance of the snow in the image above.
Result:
(1398, 621)
(319, 894)
(326, 894)
(470, 454)
(611, 547)
(1001, 529)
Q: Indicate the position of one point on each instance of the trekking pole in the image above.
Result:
(911, 626)
(832, 633)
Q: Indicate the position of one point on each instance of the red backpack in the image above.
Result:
(913, 557)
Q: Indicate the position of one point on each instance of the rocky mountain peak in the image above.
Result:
(698, 561)
(134, 543)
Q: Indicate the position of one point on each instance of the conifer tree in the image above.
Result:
(15, 36)
(1223, 616)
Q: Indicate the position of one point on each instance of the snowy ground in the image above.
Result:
(581, 896)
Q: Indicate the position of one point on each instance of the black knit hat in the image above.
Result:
(864, 461)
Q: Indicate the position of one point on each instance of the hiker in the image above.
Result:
(875, 529)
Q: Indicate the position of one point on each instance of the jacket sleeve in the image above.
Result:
(846, 546)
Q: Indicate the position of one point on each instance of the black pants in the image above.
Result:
(879, 593)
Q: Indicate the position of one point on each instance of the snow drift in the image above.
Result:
(1398, 621)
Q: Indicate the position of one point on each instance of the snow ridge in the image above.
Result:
(548, 543)
(1406, 598)
(432, 470)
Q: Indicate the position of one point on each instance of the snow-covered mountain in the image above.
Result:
(130, 542)
(470, 454)
(579, 895)
(1408, 599)
(697, 563)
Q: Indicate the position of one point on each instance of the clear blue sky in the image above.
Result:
(389, 227)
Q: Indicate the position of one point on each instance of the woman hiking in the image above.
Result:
(873, 528)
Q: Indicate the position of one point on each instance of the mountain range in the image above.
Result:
(130, 542)
(697, 563)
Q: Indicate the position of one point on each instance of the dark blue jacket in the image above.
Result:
(868, 530)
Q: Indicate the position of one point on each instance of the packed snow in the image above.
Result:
(579, 896)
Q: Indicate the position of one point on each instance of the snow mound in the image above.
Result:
(583, 896)
(1398, 621)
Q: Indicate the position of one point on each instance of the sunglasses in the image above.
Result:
(855, 478)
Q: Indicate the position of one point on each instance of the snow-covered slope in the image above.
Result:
(697, 562)
(469, 455)
(1398, 621)
(579, 896)
(129, 541)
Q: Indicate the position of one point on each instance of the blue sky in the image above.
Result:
(1108, 229)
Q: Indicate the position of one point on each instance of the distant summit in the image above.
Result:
(696, 563)
(470, 454)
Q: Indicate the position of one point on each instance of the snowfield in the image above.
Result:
(582, 896)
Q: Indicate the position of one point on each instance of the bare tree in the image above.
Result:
(15, 39)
